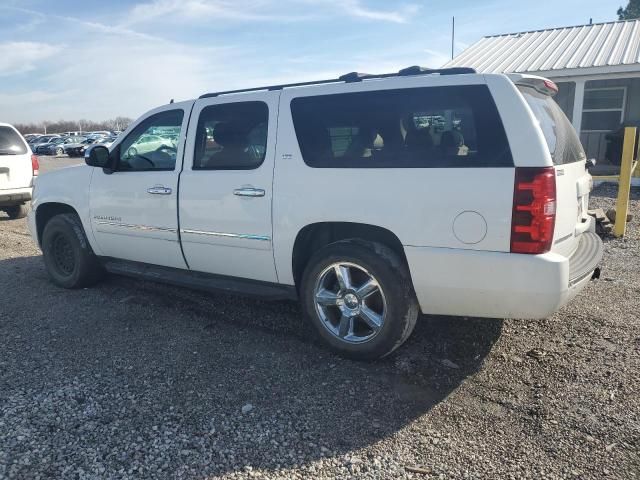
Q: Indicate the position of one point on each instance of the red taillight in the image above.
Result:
(534, 210)
(35, 166)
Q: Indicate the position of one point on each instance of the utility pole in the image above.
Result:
(453, 34)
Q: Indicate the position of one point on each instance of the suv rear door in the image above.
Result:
(573, 182)
(226, 186)
(15, 160)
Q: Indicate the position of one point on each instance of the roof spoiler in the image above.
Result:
(540, 84)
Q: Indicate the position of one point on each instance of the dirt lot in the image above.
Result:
(136, 380)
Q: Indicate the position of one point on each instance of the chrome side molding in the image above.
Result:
(248, 236)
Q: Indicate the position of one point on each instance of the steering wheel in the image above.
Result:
(132, 152)
(146, 159)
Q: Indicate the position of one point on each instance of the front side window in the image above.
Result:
(10, 142)
(603, 109)
(152, 144)
(428, 127)
(231, 136)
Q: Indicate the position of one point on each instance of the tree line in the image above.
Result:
(118, 123)
(631, 11)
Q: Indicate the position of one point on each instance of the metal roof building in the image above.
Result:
(596, 66)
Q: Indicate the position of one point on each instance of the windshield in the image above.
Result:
(10, 142)
(562, 140)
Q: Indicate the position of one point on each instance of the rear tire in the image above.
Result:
(369, 315)
(68, 257)
(17, 211)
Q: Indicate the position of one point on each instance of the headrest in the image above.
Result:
(451, 138)
(367, 135)
(227, 134)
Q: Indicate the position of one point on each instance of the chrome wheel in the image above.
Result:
(350, 302)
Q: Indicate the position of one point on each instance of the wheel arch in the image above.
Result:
(46, 211)
(315, 236)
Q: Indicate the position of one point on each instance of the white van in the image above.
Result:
(18, 168)
(370, 198)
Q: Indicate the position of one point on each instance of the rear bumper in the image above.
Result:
(15, 196)
(500, 285)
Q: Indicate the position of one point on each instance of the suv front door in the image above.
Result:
(134, 213)
(226, 186)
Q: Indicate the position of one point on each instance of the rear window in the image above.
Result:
(409, 128)
(11, 143)
(562, 140)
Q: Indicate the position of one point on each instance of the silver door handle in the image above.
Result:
(159, 190)
(249, 192)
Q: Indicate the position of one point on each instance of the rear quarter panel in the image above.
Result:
(527, 143)
(419, 205)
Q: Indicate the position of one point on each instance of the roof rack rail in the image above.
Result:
(417, 70)
(358, 77)
(351, 77)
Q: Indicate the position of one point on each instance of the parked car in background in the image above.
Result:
(106, 141)
(59, 148)
(150, 143)
(33, 139)
(337, 205)
(29, 137)
(46, 148)
(43, 141)
(18, 167)
(99, 133)
(77, 149)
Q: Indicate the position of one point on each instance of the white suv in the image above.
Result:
(18, 168)
(369, 198)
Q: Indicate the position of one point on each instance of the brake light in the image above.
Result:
(35, 165)
(534, 210)
(551, 86)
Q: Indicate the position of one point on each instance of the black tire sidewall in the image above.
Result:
(395, 282)
(85, 265)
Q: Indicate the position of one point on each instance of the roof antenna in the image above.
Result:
(591, 21)
(171, 101)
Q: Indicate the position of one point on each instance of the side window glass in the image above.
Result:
(231, 136)
(152, 145)
(430, 127)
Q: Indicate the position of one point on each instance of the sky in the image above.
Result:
(96, 59)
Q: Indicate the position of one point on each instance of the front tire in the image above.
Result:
(360, 299)
(17, 211)
(68, 257)
(59, 152)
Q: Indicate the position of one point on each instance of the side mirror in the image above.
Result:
(590, 163)
(97, 156)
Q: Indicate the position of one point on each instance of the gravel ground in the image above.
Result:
(137, 380)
